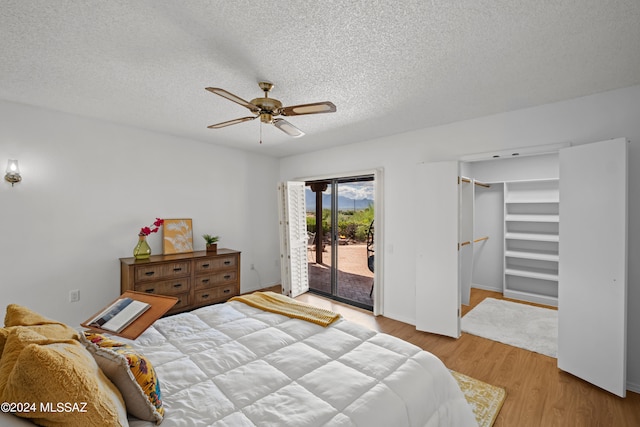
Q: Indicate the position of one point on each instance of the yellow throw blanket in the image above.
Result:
(280, 304)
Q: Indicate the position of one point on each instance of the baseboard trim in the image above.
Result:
(401, 318)
(486, 288)
(273, 288)
(633, 387)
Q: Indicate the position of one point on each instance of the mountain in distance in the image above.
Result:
(344, 203)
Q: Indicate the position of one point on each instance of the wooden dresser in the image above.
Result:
(197, 278)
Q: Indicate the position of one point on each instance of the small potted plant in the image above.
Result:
(212, 245)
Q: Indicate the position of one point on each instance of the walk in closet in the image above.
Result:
(546, 228)
(509, 220)
(462, 242)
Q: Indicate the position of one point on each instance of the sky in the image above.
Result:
(355, 190)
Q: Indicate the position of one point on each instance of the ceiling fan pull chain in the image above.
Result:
(260, 132)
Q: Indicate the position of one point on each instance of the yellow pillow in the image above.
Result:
(131, 372)
(17, 315)
(61, 381)
(3, 338)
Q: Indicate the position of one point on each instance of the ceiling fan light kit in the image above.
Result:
(287, 128)
(269, 108)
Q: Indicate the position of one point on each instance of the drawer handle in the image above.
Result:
(205, 296)
(205, 265)
(177, 269)
(177, 285)
(227, 262)
(226, 291)
(205, 280)
(149, 291)
(227, 277)
(149, 273)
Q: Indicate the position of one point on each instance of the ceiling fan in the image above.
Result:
(269, 108)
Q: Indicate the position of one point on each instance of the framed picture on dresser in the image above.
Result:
(177, 236)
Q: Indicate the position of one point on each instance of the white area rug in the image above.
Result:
(519, 325)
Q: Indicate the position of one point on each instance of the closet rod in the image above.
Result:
(468, 242)
(481, 184)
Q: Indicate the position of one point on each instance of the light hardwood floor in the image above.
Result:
(538, 393)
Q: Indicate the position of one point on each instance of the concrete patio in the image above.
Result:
(354, 278)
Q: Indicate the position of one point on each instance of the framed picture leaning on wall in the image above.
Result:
(177, 236)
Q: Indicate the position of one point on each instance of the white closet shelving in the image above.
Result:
(531, 224)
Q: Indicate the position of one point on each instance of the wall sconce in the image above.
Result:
(13, 172)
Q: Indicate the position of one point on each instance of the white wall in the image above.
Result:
(89, 186)
(583, 120)
(542, 166)
(488, 255)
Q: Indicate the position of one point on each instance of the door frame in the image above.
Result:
(378, 217)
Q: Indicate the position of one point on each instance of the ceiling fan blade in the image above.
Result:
(231, 122)
(314, 108)
(231, 97)
(287, 128)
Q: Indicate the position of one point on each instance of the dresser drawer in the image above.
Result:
(165, 287)
(183, 301)
(218, 263)
(216, 279)
(162, 271)
(196, 278)
(218, 293)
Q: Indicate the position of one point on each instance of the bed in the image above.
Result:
(234, 364)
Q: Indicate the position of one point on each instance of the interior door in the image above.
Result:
(293, 238)
(437, 267)
(592, 316)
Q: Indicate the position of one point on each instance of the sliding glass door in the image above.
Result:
(340, 238)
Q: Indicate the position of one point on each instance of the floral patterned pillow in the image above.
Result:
(131, 372)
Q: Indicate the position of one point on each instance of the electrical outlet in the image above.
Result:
(74, 295)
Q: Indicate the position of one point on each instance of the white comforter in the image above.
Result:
(235, 365)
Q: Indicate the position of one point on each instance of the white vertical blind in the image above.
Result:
(293, 238)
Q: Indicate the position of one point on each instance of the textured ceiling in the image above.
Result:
(389, 66)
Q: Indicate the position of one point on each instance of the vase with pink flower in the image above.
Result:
(142, 249)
